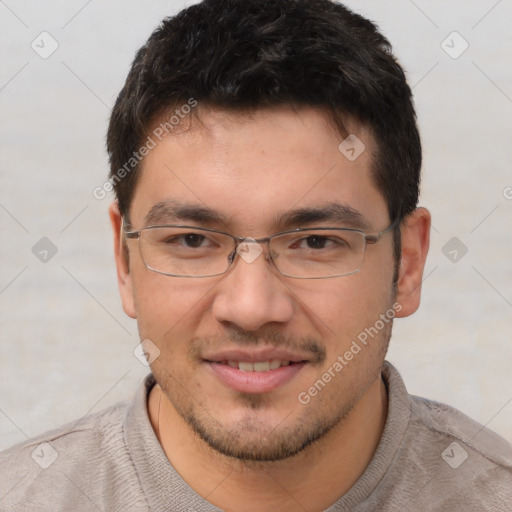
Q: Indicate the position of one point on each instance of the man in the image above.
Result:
(265, 160)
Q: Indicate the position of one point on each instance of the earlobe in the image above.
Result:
(124, 277)
(415, 235)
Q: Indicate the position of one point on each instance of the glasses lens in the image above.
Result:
(185, 251)
(319, 253)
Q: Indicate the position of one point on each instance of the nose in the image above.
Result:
(252, 293)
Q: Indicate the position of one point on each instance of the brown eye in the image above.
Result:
(193, 239)
(316, 242)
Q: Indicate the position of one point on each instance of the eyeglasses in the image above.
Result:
(303, 253)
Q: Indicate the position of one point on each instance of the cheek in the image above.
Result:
(168, 308)
(341, 308)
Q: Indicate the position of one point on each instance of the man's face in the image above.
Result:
(253, 172)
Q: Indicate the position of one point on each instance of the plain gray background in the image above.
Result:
(66, 345)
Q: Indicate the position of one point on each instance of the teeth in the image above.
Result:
(260, 366)
(275, 364)
(263, 366)
(245, 367)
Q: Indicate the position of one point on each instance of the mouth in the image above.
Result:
(258, 366)
(255, 373)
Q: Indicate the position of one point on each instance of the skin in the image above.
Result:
(252, 169)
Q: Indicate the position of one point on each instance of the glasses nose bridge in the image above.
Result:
(249, 239)
(238, 240)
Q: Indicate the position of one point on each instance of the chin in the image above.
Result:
(252, 439)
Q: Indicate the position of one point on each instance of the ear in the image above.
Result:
(124, 278)
(415, 235)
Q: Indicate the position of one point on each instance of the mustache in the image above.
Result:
(275, 339)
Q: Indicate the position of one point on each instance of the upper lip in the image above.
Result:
(256, 355)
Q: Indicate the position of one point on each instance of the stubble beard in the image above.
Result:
(251, 440)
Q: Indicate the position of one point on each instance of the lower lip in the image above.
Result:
(254, 382)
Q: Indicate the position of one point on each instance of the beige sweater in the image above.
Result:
(430, 457)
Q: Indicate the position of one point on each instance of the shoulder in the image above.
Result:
(89, 430)
(439, 458)
(76, 464)
(465, 463)
(447, 422)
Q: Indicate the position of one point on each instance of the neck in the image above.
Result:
(311, 480)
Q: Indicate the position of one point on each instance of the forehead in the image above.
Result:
(252, 168)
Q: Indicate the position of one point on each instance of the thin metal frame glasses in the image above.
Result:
(302, 253)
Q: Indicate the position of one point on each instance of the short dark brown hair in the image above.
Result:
(252, 54)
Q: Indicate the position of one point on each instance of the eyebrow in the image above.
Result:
(331, 212)
(170, 211)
